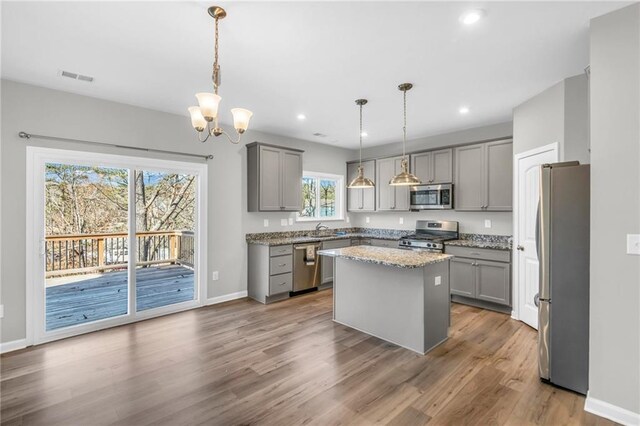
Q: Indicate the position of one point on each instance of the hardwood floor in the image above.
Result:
(285, 363)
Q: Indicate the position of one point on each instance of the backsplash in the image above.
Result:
(373, 232)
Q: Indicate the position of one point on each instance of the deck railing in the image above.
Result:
(85, 253)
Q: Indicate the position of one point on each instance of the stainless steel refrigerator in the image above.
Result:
(563, 297)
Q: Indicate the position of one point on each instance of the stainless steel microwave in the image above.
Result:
(431, 197)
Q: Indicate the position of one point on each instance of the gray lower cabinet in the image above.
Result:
(270, 272)
(433, 167)
(384, 243)
(361, 200)
(274, 178)
(360, 241)
(484, 176)
(390, 198)
(326, 263)
(480, 275)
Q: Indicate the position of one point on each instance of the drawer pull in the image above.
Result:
(282, 283)
(475, 253)
(282, 264)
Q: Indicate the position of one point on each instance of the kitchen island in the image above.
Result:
(401, 296)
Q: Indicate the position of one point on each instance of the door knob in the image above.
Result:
(520, 248)
(536, 300)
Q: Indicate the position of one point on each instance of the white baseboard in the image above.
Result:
(13, 345)
(226, 298)
(611, 412)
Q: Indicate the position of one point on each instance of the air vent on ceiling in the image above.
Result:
(75, 76)
(320, 135)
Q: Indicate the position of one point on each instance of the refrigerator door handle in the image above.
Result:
(538, 231)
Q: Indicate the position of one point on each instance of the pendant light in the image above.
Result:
(360, 181)
(404, 178)
(207, 111)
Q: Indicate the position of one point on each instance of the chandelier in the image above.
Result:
(404, 177)
(360, 181)
(207, 111)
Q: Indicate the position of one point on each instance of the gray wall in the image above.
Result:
(614, 373)
(559, 114)
(470, 222)
(49, 112)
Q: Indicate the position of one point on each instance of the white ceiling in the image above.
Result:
(282, 59)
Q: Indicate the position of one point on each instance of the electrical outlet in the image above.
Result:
(266, 223)
(283, 222)
(290, 221)
(633, 243)
(215, 276)
(348, 219)
(1, 311)
(438, 280)
(401, 220)
(487, 223)
(367, 220)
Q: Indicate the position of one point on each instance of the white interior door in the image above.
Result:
(527, 195)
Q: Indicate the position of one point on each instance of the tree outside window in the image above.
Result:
(321, 196)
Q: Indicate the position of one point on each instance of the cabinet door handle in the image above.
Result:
(520, 248)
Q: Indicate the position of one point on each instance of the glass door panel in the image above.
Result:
(165, 227)
(86, 244)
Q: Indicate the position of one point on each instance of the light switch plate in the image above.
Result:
(487, 223)
(290, 221)
(438, 280)
(367, 220)
(283, 222)
(348, 219)
(633, 243)
(1, 311)
(401, 220)
(266, 223)
(215, 276)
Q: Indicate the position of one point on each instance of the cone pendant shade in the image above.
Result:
(360, 180)
(404, 177)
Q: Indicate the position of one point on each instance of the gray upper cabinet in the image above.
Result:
(483, 176)
(274, 178)
(499, 166)
(361, 200)
(393, 198)
(469, 182)
(433, 167)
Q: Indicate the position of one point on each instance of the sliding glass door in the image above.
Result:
(114, 239)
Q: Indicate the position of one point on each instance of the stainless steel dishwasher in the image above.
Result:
(306, 266)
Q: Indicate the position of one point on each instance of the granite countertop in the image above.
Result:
(387, 256)
(297, 237)
(495, 242)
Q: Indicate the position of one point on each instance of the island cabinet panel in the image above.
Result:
(463, 277)
(327, 262)
(274, 178)
(484, 176)
(384, 243)
(364, 199)
(433, 167)
(388, 197)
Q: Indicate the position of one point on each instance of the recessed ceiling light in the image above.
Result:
(364, 134)
(301, 117)
(463, 110)
(472, 16)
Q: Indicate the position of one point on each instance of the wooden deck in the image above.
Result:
(106, 296)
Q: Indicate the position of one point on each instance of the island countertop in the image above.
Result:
(387, 256)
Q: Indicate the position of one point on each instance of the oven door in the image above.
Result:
(431, 197)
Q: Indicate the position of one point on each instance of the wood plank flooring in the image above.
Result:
(106, 296)
(282, 364)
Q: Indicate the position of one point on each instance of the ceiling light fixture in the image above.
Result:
(463, 110)
(207, 111)
(472, 16)
(360, 181)
(301, 117)
(404, 178)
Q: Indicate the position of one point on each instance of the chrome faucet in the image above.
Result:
(320, 226)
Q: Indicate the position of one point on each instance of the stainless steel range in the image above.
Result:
(430, 235)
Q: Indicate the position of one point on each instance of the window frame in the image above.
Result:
(340, 195)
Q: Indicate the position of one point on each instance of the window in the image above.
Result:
(322, 196)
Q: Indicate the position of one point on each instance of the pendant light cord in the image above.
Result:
(360, 135)
(404, 126)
